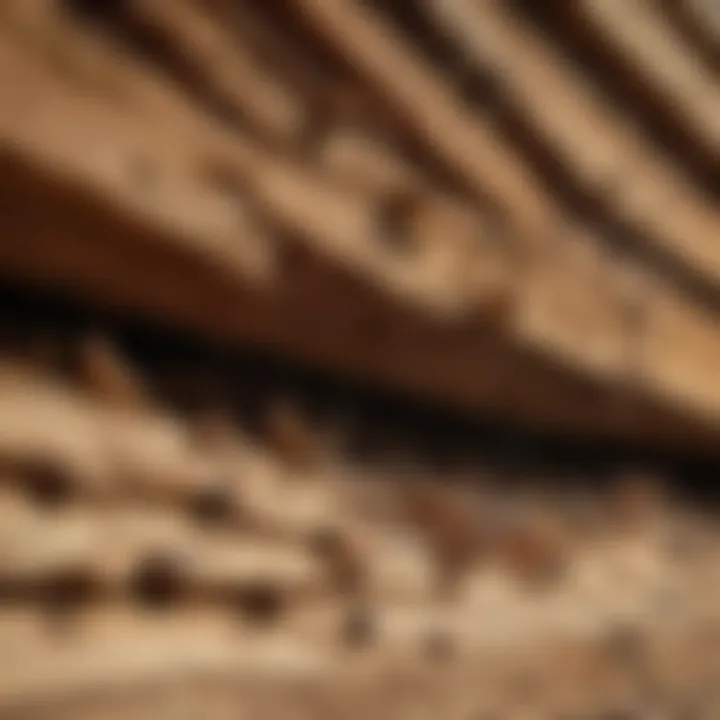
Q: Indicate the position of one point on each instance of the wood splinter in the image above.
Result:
(214, 505)
(159, 580)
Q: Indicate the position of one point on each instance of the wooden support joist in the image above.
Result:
(604, 150)
(145, 181)
(91, 143)
(700, 22)
(219, 69)
(644, 37)
(215, 172)
(426, 106)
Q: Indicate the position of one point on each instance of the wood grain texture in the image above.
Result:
(364, 216)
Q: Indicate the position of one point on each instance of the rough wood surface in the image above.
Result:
(314, 179)
(315, 603)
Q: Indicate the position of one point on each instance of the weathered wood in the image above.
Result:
(652, 47)
(355, 252)
(606, 151)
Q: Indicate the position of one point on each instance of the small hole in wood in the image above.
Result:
(69, 589)
(262, 604)
(213, 505)
(159, 580)
(48, 484)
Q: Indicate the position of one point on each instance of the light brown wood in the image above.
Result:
(444, 266)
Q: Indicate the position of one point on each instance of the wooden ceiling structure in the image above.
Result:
(507, 207)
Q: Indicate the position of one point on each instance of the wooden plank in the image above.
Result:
(649, 43)
(607, 154)
(421, 290)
